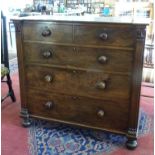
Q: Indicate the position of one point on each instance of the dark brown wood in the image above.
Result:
(75, 109)
(83, 83)
(85, 73)
(136, 82)
(47, 31)
(104, 35)
(88, 58)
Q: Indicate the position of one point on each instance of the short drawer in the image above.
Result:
(80, 82)
(81, 110)
(88, 58)
(105, 35)
(48, 32)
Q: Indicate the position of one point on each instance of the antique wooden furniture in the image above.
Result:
(81, 71)
(5, 73)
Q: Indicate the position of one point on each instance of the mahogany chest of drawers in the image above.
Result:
(81, 72)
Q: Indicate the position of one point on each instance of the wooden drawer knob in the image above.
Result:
(48, 78)
(49, 105)
(46, 32)
(100, 113)
(103, 36)
(102, 59)
(101, 85)
(47, 54)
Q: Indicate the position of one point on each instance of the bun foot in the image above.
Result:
(26, 119)
(131, 144)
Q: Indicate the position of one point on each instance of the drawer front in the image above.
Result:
(105, 35)
(48, 31)
(89, 58)
(81, 110)
(80, 82)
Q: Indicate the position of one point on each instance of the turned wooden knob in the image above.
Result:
(102, 59)
(49, 105)
(48, 78)
(101, 85)
(47, 54)
(100, 113)
(103, 36)
(46, 32)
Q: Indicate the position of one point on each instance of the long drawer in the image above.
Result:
(81, 110)
(80, 82)
(89, 58)
(48, 32)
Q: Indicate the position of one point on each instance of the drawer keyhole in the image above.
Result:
(49, 105)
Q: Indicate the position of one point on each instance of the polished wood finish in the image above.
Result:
(84, 57)
(83, 83)
(80, 72)
(75, 109)
(103, 35)
(136, 82)
(50, 31)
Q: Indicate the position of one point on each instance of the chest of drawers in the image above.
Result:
(85, 73)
